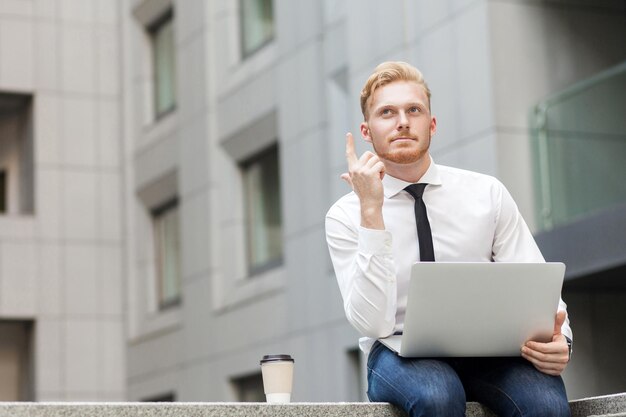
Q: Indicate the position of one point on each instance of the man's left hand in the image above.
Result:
(550, 358)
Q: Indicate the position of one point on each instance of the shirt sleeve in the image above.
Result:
(365, 271)
(513, 241)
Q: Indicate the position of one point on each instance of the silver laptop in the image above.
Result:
(478, 309)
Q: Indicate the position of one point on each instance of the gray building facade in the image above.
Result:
(61, 240)
(168, 230)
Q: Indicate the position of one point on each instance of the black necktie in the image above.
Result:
(424, 235)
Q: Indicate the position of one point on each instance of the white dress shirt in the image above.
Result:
(472, 216)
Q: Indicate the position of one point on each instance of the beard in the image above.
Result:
(403, 154)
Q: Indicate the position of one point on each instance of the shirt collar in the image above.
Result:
(393, 185)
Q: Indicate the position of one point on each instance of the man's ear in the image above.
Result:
(365, 132)
(433, 125)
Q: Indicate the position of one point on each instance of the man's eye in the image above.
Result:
(415, 109)
(385, 112)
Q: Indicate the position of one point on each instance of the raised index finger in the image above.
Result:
(350, 152)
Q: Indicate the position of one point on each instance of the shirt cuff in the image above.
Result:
(374, 242)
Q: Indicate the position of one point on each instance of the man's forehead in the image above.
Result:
(399, 92)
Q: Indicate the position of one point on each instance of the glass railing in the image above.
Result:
(579, 143)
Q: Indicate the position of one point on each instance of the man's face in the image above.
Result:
(399, 123)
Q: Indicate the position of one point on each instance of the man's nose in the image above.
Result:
(403, 121)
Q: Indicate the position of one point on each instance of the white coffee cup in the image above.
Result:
(277, 371)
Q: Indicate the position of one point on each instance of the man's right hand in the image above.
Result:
(365, 176)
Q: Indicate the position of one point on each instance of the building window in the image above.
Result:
(164, 64)
(249, 388)
(261, 186)
(16, 154)
(357, 380)
(16, 360)
(587, 115)
(257, 25)
(3, 191)
(167, 254)
(169, 397)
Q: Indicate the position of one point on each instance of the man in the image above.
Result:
(373, 242)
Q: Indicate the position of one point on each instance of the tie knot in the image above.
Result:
(416, 190)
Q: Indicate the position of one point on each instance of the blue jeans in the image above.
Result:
(441, 387)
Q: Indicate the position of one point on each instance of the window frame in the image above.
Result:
(167, 397)
(232, 286)
(157, 214)
(20, 337)
(17, 153)
(249, 387)
(153, 29)
(272, 263)
(4, 200)
(245, 52)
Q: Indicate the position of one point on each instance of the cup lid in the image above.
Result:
(276, 358)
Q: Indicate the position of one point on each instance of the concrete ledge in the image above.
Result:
(606, 406)
(599, 406)
(212, 410)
